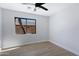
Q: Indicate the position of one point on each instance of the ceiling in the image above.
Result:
(52, 8)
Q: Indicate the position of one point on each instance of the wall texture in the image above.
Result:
(11, 39)
(0, 28)
(64, 28)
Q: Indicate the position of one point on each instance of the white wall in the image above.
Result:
(11, 39)
(0, 28)
(64, 28)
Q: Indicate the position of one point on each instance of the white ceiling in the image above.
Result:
(52, 8)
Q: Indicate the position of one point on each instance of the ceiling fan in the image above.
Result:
(37, 5)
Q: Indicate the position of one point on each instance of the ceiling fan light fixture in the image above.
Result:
(37, 5)
(28, 4)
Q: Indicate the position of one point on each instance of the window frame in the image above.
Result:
(26, 24)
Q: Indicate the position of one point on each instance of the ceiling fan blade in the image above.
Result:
(43, 8)
(39, 4)
(28, 3)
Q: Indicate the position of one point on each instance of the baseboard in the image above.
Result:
(9, 49)
(76, 53)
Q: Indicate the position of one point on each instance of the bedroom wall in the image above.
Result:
(64, 28)
(0, 29)
(11, 39)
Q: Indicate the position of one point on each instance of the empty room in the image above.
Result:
(39, 29)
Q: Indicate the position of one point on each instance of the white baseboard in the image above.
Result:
(9, 49)
(76, 53)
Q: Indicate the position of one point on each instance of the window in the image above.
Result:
(25, 25)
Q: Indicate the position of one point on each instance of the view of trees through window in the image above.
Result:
(25, 25)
